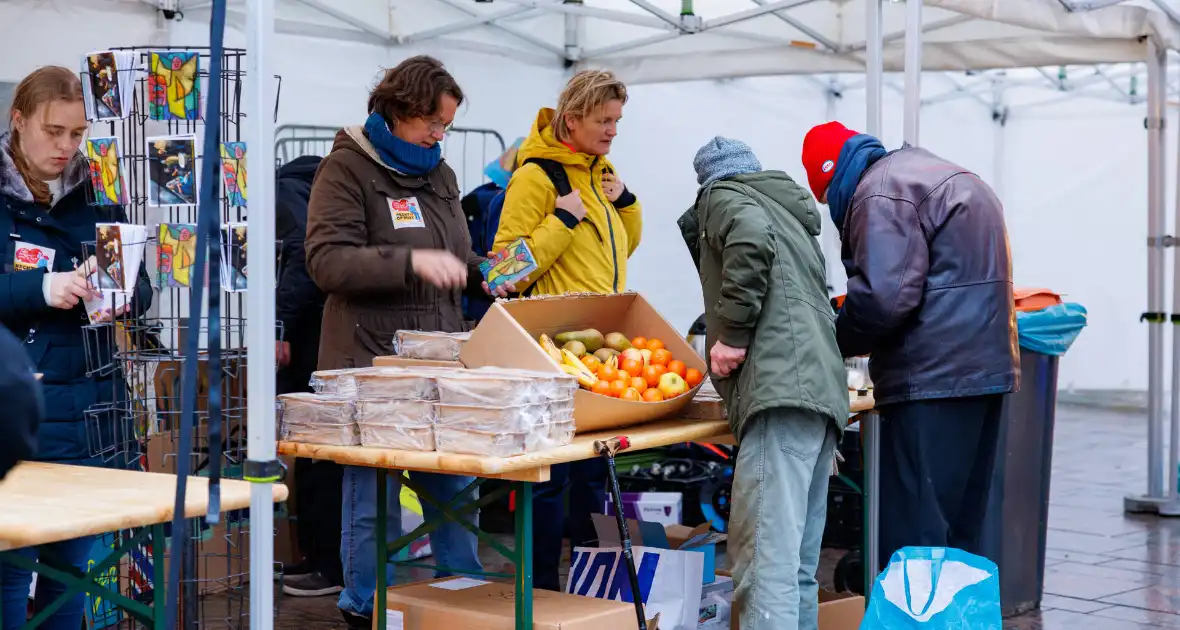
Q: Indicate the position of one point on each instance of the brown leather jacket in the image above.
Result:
(361, 228)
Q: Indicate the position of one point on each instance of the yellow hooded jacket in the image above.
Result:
(592, 256)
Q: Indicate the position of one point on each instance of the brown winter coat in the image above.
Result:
(360, 257)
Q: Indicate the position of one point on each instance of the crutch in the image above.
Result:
(608, 449)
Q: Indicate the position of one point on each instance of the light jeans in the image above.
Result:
(453, 546)
(780, 504)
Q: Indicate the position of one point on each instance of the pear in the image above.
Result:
(617, 342)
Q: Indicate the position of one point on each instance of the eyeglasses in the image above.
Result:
(437, 126)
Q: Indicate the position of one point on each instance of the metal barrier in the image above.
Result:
(466, 150)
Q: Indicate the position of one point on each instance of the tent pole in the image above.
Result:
(874, 68)
(1171, 507)
(261, 465)
(913, 71)
(1156, 258)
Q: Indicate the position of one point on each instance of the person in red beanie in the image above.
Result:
(929, 298)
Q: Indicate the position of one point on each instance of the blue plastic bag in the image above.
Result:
(1052, 330)
(935, 588)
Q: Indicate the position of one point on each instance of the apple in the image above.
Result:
(672, 385)
(646, 356)
(631, 353)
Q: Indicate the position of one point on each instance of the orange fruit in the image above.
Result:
(639, 343)
(632, 366)
(655, 344)
(678, 367)
(652, 374)
(608, 373)
(617, 388)
(602, 387)
(631, 394)
(693, 377)
(638, 383)
(653, 395)
(591, 362)
(624, 375)
(661, 357)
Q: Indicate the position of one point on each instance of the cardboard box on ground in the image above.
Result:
(507, 337)
(478, 605)
(837, 611)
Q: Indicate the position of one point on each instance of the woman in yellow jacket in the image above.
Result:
(581, 242)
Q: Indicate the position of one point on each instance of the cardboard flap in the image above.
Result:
(647, 534)
(682, 537)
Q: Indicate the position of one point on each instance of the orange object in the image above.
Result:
(617, 388)
(591, 362)
(653, 395)
(632, 366)
(652, 374)
(602, 387)
(839, 301)
(693, 377)
(655, 344)
(639, 343)
(608, 373)
(661, 357)
(1035, 299)
(638, 382)
(632, 394)
(678, 367)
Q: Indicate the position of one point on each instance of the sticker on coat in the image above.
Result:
(27, 257)
(406, 213)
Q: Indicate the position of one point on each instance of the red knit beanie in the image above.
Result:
(821, 149)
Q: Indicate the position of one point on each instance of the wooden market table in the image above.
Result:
(47, 503)
(522, 471)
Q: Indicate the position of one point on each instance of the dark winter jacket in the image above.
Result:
(23, 406)
(482, 207)
(82, 388)
(765, 289)
(929, 282)
(361, 257)
(299, 303)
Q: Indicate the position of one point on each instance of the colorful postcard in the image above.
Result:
(233, 171)
(106, 176)
(119, 251)
(176, 252)
(174, 85)
(172, 170)
(234, 270)
(508, 266)
(108, 77)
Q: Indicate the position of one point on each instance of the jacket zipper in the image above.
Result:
(610, 225)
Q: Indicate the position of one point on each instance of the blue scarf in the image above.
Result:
(857, 155)
(398, 154)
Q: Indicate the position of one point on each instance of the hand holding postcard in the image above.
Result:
(509, 266)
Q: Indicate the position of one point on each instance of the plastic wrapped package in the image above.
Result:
(398, 437)
(339, 382)
(395, 384)
(492, 444)
(504, 388)
(555, 434)
(429, 346)
(318, 419)
(511, 419)
(402, 413)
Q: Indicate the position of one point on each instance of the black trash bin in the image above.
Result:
(1018, 504)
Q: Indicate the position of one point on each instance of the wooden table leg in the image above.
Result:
(524, 555)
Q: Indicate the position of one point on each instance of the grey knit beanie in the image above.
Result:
(721, 158)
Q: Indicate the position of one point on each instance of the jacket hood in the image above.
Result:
(790, 195)
(301, 168)
(13, 185)
(541, 143)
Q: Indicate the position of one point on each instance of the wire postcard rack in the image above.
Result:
(140, 353)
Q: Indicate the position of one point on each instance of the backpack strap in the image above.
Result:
(556, 172)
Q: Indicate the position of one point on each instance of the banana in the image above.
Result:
(614, 362)
(551, 349)
(586, 382)
(572, 360)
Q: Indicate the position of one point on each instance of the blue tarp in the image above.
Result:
(1052, 330)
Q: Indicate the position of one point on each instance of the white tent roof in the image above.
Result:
(650, 41)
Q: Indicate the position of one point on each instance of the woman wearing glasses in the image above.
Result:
(388, 243)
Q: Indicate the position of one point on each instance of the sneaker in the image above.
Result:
(357, 621)
(310, 585)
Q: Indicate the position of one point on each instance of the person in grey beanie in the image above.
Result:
(773, 358)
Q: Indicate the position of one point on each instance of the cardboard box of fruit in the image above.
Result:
(631, 363)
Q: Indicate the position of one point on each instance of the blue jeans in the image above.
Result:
(454, 547)
(780, 505)
(586, 481)
(15, 583)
